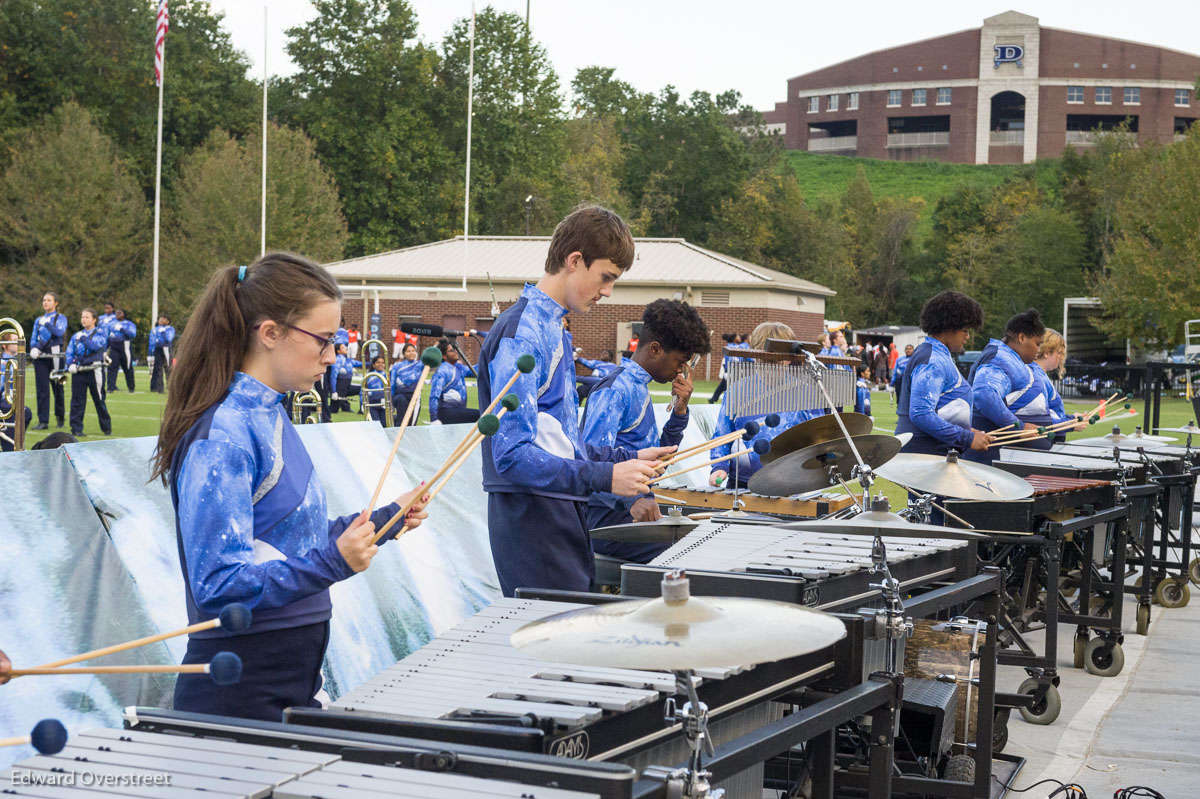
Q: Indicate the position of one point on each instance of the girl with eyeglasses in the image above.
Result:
(251, 518)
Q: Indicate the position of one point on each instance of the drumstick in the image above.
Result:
(668, 500)
(761, 450)
(487, 425)
(225, 669)
(432, 359)
(48, 737)
(234, 617)
(751, 428)
(998, 429)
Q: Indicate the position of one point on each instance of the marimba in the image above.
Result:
(806, 506)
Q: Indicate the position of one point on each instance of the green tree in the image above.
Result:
(597, 94)
(100, 54)
(1152, 285)
(72, 218)
(365, 91)
(213, 219)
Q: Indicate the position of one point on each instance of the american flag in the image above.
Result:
(160, 36)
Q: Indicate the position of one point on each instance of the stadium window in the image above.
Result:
(814, 104)
(1183, 97)
(918, 97)
(1133, 95)
(852, 101)
(1104, 94)
(831, 102)
(894, 98)
(943, 96)
(1074, 94)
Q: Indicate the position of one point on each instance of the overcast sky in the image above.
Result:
(752, 46)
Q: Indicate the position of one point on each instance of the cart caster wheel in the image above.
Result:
(1173, 593)
(1194, 571)
(999, 736)
(960, 768)
(1044, 712)
(1104, 659)
(1081, 642)
(1143, 619)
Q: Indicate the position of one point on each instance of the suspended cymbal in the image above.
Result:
(1189, 428)
(692, 634)
(883, 523)
(666, 530)
(804, 469)
(950, 476)
(1123, 441)
(815, 431)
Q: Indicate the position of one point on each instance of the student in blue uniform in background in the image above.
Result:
(403, 377)
(730, 419)
(87, 349)
(251, 517)
(1004, 391)
(162, 340)
(374, 389)
(619, 414)
(8, 352)
(121, 333)
(47, 345)
(537, 471)
(934, 401)
(107, 318)
(340, 379)
(448, 389)
(1050, 358)
(901, 365)
(862, 390)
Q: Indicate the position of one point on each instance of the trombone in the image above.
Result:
(12, 377)
(309, 401)
(365, 404)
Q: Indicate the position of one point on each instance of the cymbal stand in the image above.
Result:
(691, 782)
(895, 623)
(861, 471)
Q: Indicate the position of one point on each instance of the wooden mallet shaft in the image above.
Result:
(676, 457)
(192, 668)
(387, 465)
(491, 406)
(149, 639)
(730, 456)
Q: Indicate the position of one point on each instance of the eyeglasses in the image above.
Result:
(326, 343)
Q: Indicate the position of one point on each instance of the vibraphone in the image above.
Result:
(808, 505)
(210, 758)
(471, 685)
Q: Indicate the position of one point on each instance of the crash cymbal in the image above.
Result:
(1189, 428)
(680, 633)
(804, 469)
(883, 523)
(1123, 441)
(815, 431)
(950, 476)
(666, 530)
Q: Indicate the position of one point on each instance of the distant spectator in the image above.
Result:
(879, 365)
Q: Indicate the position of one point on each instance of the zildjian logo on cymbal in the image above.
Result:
(632, 640)
(986, 487)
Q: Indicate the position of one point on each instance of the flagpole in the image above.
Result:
(162, 79)
(263, 224)
(470, 102)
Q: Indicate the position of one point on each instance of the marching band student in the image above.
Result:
(862, 390)
(374, 389)
(121, 333)
(601, 367)
(87, 349)
(8, 351)
(162, 338)
(5, 667)
(1004, 391)
(105, 319)
(536, 470)
(901, 365)
(934, 402)
(341, 379)
(619, 414)
(404, 376)
(48, 339)
(1050, 358)
(448, 389)
(251, 518)
(748, 463)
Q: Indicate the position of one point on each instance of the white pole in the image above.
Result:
(470, 104)
(263, 224)
(162, 79)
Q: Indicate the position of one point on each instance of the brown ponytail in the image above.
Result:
(281, 287)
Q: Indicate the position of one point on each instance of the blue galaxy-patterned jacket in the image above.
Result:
(1004, 390)
(119, 332)
(48, 331)
(342, 336)
(161, 336)
(934, 401)
(250, 515)
(104, 320)
(619, 414)
(448, 385)
(862, 394)
(600, 368)
(4, 359)
(404, 375)
(898, 370)
(748, 463)
(537, 449)
(835, 351)
(1054, 402)
(374, 385)
(87, 347)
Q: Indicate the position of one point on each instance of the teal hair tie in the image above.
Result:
(241, 273)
